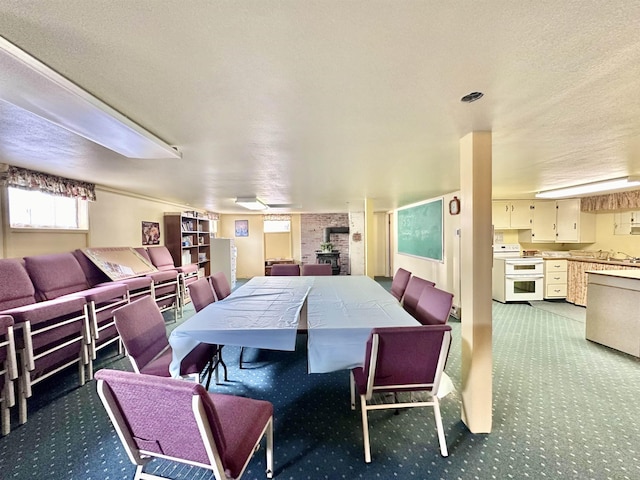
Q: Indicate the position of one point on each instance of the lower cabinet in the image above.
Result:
(555, 278)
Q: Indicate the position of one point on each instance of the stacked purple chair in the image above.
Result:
(434, 306)
(285, 269)
(137, 286)
(399, 283)
(8, 371)
(144, 334)
(176, 420)
(59, 275)
(50, 335)
(317, 269)
(402, 361)
(166, 286)
(161, 258)
(412, 293)
(202, 294)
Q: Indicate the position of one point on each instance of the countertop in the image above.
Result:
(632, 274)
(625, 263)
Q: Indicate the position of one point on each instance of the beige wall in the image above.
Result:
(250, 261)
(606, 240)
(115, 219)
(277, 245)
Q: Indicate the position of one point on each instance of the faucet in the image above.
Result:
(626, 255)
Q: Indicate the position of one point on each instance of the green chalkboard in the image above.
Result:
(420, 231)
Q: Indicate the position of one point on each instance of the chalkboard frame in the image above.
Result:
(430, 214)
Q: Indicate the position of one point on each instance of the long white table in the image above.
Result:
(267, 311)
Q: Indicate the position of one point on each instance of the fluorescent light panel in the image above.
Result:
(252, 203)
(31, 85)
(596, 187)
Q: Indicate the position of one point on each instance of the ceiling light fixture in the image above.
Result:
(472, 97)
(252, 203)
(595, 187)
(31, 85)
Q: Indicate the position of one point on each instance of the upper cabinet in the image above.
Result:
(511, 214)
(626, 223)
(574, 226)
(560, 221)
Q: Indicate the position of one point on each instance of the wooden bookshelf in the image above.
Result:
(188, 239)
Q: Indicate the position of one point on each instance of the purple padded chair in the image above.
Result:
(143, 332)
(166, 286)
(399, 283)
(412, 293)
(317, 269)
(60, 275)
(180, 421)
(434, 306)
(220, 285)
(201, 293)
(161, 258)
(8, 371)
(50, 335)
(137, 286)
(285, 269)
(401, 360)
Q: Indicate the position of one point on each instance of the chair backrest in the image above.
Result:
(55, 274)
(316, 269)
(412, 293)
(161, 415)
(161, 257)
(285, 269)
(201, 293)
(142, 330)
(406, 358)
(220, 285)
(16, 289)
(399, 283)
(434, 306)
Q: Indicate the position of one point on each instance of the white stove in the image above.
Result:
(516, 278)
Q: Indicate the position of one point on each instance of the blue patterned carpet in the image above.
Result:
(563, 408)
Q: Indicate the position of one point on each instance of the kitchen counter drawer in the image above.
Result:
(556, 290)
(555, 265)
(556, 277)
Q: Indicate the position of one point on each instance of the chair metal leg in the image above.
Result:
(241, 352)
(365, 429)
(439, 427)
(352, 387)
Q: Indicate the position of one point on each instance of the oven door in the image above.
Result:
(523, 287)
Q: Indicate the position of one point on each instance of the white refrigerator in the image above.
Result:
(223, 258)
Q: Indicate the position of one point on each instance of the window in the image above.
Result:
(277, 226)
(35, 209)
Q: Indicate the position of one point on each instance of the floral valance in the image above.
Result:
(30, 180)
(612, 201)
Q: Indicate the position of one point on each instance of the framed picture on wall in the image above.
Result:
(242, 228)
(150, 233)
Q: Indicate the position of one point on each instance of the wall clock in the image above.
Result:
(454, 206)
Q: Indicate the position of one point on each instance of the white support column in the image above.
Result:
(476, 263)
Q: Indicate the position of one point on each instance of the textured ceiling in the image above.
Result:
(324, 103)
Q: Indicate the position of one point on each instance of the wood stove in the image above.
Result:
(332, 257)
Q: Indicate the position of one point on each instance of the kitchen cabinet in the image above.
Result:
(543, 223)
(626, 223)
(560, 221)
(574, 226)
(555, 278)
(511, 214)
